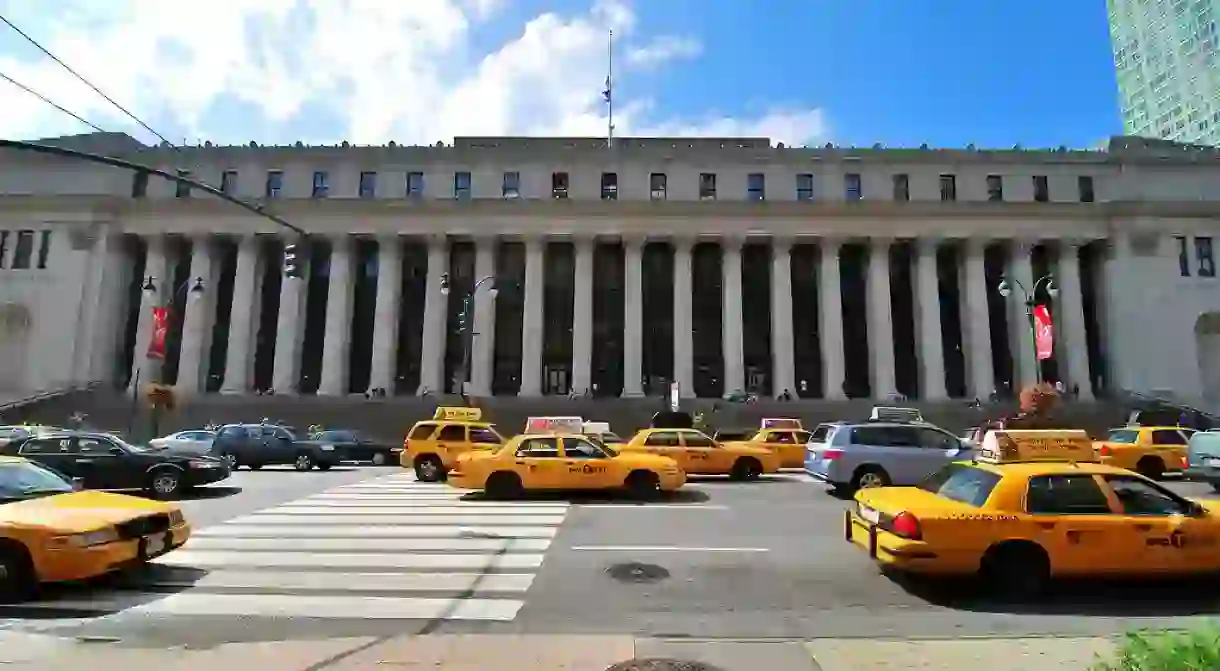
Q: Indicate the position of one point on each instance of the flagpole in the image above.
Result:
(610, 89)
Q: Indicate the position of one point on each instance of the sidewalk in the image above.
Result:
(27, 652)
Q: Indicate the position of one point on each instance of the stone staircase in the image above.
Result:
(389, 418)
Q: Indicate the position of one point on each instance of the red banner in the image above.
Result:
(160, 328)
(1044, 332)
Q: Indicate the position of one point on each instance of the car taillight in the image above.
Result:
(907, 526)
(1105, 451)
(831, 455)
(1185, 462)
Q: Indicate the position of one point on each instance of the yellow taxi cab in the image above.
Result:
(697, 454)
(51, 532)
(1152, 451)
(433, 446)
(784, 436)
(1035, 505)
(564, 461)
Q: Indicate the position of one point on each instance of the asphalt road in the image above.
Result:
(720, 560)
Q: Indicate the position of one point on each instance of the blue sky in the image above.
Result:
(944, 72)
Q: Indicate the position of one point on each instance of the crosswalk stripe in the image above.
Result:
(492, 544)
(283, 560)
(407, 509)
(471, 583)
(389, 517)
(252, 529)
(341, 496)
(190, 603)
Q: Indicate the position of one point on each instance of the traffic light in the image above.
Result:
(292, 261)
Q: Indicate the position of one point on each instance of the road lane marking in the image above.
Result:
(650, 506)
(659, 548)
(370, 544)
(473, 583)
(470, 518)
(252, 529)
(283, 560)
(411, 511)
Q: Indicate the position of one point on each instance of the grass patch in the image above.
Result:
(1197, 650)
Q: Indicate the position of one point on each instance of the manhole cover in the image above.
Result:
(635, 572)
(662, 665)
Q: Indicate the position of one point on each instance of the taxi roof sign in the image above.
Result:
(781, 423)
(1033, 445)
(883, 413)
(458, 414)
(554, 425)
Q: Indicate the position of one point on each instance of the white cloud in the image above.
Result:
(413, 72)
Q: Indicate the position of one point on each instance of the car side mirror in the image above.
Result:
(1197, 509)
(117, 451)
(77, 484)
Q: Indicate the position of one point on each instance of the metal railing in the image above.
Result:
(1155, 402)
(48, 395)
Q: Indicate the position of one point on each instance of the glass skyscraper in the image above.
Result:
(1165, 52)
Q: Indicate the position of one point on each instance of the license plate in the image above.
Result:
(155, 544)
(1214, 463)
(869, 514)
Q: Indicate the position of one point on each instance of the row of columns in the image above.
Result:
(196, 330)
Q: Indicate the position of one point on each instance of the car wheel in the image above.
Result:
(165, 483)
(303, 462)
(1216, 486)
(504, 485)
(379, 459)
(429, 468)
(868, 477)
(642, 485)
(18, 579)
(1016, 570)
(1150, 467)
(746, 468)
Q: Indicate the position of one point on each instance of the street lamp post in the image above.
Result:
(193, 290)
(466, 323)
(1029, 298)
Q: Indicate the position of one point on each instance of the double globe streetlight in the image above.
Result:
(466, 322)
(193, 289)
(1029, 298)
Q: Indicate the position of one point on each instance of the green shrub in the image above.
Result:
(1197, 650)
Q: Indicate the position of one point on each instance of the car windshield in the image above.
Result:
(22, 479)
(1123, 436)
(598, 442)
(131, 447)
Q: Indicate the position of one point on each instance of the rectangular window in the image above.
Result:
(415, 184)
(1084, 184)
(3, 248)
(368, 184)
(853, 186)
(228, 182)
(948, 188)
(461, 186)
(707, 186)
(275, 184)
(44, 249)
(1207, 262)
(510, 187)
(1183, 256)
(902, 187)
(658, 186)
(804, 186)
(559, 185)
(609, 186)
(321, 184)
(139, 185)
(23, 253)
(1042, 190)
(182, 189)
(995, 188)
(756, 186)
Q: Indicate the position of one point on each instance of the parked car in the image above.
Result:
(105, 461)
(186, 441)
(857, 455)
(358, 447)
(258, 445)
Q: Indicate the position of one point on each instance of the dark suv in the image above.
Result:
(258, 445)
(105, 461)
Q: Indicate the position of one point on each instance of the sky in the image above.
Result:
(991, 73)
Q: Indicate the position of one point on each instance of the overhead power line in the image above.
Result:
(50, 102)
(84, 81)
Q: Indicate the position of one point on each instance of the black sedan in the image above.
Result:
(359, 447)
(105, 461)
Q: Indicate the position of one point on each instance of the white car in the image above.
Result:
(189, 441)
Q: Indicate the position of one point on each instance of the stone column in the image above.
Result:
(978, 321)
(432, 345)
(157, 267)
(880, 319)
(783, 352)
(384, 360)
(243, 323)
(931, 342)
(336, 344)
(111, 312)
(582, 317)
(10, 246)
(633, 317)
(1070, 343)
(198, 319)
(731, 327)
(532, 316)
(290, 323)
(683, 320)
(830, 327)
(1021, 274)
(483, 351)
